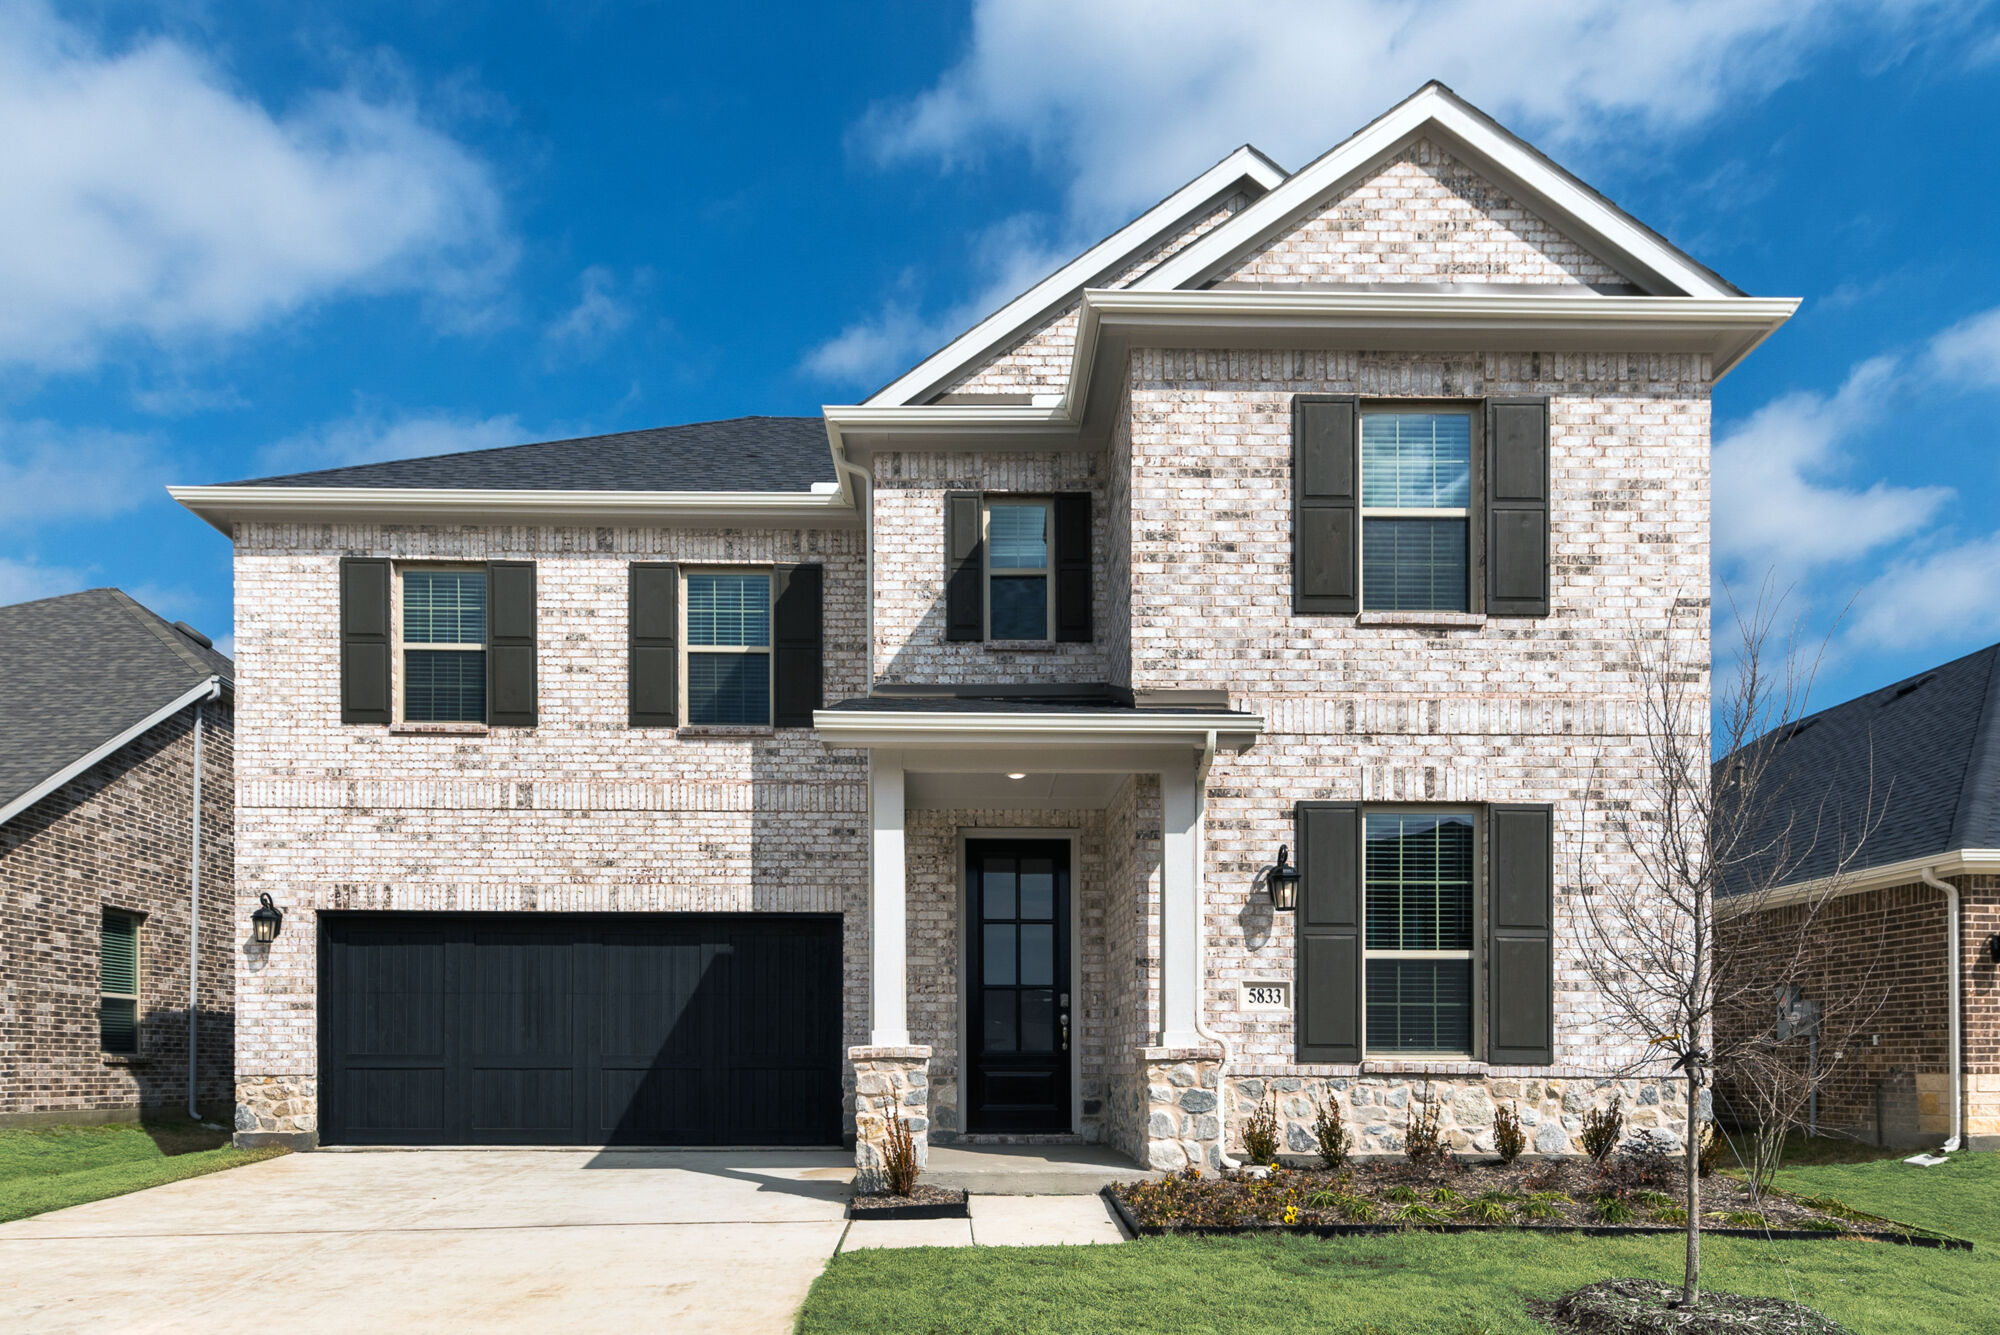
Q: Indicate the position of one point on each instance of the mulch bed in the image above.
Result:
(1646, 1307)
(923, 1202)
(1640, 1194)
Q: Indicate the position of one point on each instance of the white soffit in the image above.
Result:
(225, 506)
(1436, 112)
(1246, 169)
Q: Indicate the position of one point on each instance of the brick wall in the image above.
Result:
(118, 836)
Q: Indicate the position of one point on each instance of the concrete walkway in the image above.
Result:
(488, 1240)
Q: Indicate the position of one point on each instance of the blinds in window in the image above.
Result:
(118, 1021)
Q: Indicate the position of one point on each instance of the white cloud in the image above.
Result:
(1128, 98)
(52, 474)
(1969, 352)
(27, 581)
(1945, 596)
(225, 645)
(597, 315)
(1777, 502)
(370, 437)
(147, 196)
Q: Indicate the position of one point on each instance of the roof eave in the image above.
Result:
(111, 746)
(1908, 871)
(971, 729)
(225, 506)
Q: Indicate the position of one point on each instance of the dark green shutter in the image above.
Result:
(364, 640)
(1072, 570)
(1326, 565)
(797, 594)
(653, 652)
(118, 1017)
(1517, 507)
(964, 571)
(510, 644)
(1520, 936)
(1329, 942)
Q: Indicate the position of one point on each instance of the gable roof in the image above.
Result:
(1921, 756)
(1482, 143)
(1246, 171)
(78, 674)
(762, 454)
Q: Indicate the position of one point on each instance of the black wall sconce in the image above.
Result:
(1993, 948)
(267, 920)
(1281, 882)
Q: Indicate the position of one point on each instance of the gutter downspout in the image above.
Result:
(1955, 1044)
(1201, 769)
(194, 909)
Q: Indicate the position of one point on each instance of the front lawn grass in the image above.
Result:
(49, 1168)
(1462, 1284)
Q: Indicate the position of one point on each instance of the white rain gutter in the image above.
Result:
(194, 909)
(1200, 950)
(84, 762)
(1956, 1040)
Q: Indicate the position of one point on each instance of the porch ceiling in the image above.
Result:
(994, 791)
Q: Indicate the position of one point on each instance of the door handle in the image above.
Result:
(1065, 1030)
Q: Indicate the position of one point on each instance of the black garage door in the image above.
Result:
(587, 1029)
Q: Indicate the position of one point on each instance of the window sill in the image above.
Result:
(1023, 646)
(723, 730)
(125, 1058)
(1452, 620)
(439, 729)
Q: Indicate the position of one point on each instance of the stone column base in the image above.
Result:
(886, 1078)
(277, 1110)
(1183, 1107)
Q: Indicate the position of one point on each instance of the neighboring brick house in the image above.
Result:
(726, 782)
(115, 727)
(1888, 816)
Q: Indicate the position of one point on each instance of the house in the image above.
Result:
(1887, 811)
(731, 782)
(117, 867)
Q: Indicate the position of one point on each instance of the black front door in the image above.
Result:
(1017, 985)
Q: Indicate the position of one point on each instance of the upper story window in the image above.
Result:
(443, 625)
(1417, 888)
(118, 1003)
(1020, 603)
(1416, 511)
(729, 648)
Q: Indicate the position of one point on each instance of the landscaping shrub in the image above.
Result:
(1423, 1136)
(1260, 1132)
(899, 1155)
(1331, 1132)
(1508, 1138)
(1602, 1128)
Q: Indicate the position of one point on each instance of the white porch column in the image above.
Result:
(888, 929)
(1180, 959)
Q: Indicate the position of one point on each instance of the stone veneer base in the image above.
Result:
(886, 1078)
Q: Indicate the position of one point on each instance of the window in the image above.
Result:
(1416, 499)
(1018, 587)
(729, 648)
(444, 645)
(118, 1007)
(1417, 870)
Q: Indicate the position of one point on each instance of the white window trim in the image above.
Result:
(398, 676)
(1046, 570)
(1364, 512)
(1474, 956)
(138, 921)
(769, 648)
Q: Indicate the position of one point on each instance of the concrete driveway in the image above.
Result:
(487, 1240)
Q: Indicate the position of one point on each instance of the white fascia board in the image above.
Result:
(223, 506)
(1958, 862)
(1574, 208)
(970, 728)
(111, 747)
(948, 426)
(1244, 166)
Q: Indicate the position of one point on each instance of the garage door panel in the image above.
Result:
(570, 1028)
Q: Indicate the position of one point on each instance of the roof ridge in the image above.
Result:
(1981, 779)
(165, 633)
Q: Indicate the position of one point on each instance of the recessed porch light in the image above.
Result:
(1017, 776)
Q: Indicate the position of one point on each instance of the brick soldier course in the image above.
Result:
(1188, 697)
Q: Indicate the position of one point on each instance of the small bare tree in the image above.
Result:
(1689, 852)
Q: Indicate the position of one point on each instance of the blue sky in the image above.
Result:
(252, 239)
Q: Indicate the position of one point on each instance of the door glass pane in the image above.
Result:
(1038, 1020)
(1416, 461)
(1413, 565)
(998, 899)
(1038, 955)
(998, 1005)
(1020, 607)
(998, 953)
(1419, 882)
(729, 688)
(1419, 1005)
(1038, 888)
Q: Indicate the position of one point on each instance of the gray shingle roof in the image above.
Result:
(78, 670)
(1923, 754)
(738, 454)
